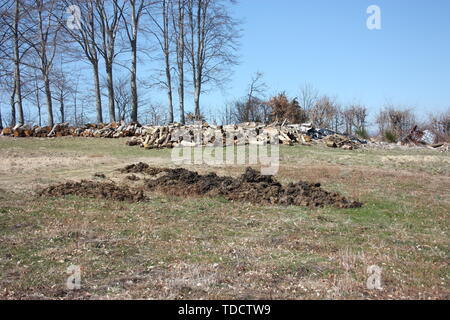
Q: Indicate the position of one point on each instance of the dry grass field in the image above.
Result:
(211, 248)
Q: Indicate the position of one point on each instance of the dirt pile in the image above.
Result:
(91, 189)
(141, 168)
(249, 187)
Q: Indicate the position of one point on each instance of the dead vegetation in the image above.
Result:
(196, 247)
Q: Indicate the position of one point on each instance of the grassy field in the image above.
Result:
(208, 248)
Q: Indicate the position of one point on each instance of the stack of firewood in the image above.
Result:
(173, 135)
(210, 135)
(112, 130)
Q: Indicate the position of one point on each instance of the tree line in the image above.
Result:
(192, 42)
(325, 112)
(192, 46)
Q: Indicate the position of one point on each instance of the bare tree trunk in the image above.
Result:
(197, 30)
(181, 93)
(197, 100)
(39, 110)
(169, 88)
(61, 106)
(135, 16)
(133, 82)
(110, 84)
(167, 58)
(108, 16)
(180, 57)
(18, 85)
(13, 106)
(48, 94)
(38, 102)
(197, 78)
(1, 120)
(98, 97)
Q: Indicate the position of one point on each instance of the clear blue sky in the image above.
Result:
(326, 43)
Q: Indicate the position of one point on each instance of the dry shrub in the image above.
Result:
(285, 109)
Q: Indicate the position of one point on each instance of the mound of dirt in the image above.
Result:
(91, 189)
(249, 187)
(141, 168)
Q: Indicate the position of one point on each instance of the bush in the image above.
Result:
(390, 137)
(284, 109)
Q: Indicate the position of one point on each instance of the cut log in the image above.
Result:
(6, 131)
(331, 144)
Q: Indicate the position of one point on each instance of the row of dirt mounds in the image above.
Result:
(92, 189)
(249, 187)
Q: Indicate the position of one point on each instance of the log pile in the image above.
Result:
(174, 135)
(112, 130)
(243, 134)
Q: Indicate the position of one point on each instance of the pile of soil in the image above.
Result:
(91, 189)
(141, 168)
(249, 187)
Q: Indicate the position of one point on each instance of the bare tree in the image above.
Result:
(84, 33)
(211, 43)
(308, 96)
(12, 16)
(42, 37)
(253, 106)
(162, 33)
(439, 124)
(354, 118)
(395, 122)
(131, 22)
(255, 95)
(323, 112)
(154, 115)
(123, 99)
(178, 21)
(75, 92)
(37, 97)
(17, 61)
(63, 88)
(108, 18)
(227, 114)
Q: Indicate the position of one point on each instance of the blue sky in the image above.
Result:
(326, 43)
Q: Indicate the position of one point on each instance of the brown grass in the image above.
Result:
(185, 248)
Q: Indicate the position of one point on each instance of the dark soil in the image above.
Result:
(142, 168)
(99, 175)
(91, 189)
(133, 177)
(249, 187)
